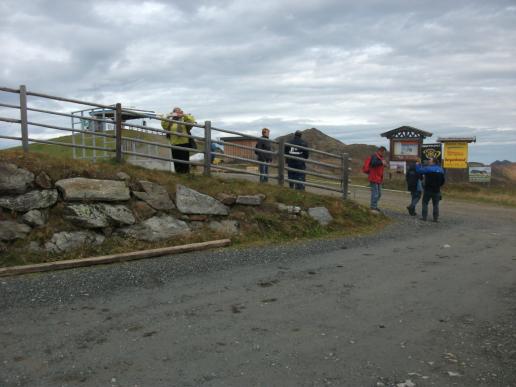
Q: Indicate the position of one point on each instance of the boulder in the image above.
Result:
(320, 214)
(142, 210)
(290, 209)
(66, 241)
(249, 200)
(30, 200)
(99, 215)
(155, 196)
(226, 199)
(189, 201)
(43, 180)
(80, 188)
(123, 176)
(14, 180)
(117, 214)
(34, 247)
(226, 227)
(10, 230)
(156, 228)
(35, 218)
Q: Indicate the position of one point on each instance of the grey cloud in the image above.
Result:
(374, 64)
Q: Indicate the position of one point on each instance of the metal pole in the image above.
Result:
(23, 118)
(281, 161)
(118, 133)
(345, 175)
(207, 148)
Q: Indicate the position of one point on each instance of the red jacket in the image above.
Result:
(376, 169)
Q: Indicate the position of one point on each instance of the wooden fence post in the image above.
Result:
(23, 118)
(207, 148)
(345, 175)
(281, 162)
(118, 133)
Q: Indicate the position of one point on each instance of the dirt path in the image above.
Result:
(419, 304)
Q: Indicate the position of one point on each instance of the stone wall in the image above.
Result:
(90, 210)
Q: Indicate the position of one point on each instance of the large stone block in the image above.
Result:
(14, 180)
(80, 188)
(155, 196)
(65, 241)
(99, 215)
(156, 228)
(189, 201)
(249, 200)
(30, 200)
(36, 218)
(10, 230)
(320, 214)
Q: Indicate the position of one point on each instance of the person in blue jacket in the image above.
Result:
(434, 180)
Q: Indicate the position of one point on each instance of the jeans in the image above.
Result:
(376, 194)
(296, 176)
(435, 196)
(264, 172)
(415, 196)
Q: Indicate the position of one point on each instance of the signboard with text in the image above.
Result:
(455, 155)
(405, 150)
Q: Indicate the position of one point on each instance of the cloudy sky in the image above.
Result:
(350, 68)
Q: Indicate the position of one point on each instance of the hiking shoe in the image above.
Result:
(435, 220)
(423, 219)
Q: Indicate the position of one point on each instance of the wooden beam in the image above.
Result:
(105, 259)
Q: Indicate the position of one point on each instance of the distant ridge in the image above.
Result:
(318, 140)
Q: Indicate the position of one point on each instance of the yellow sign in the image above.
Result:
(455, 155)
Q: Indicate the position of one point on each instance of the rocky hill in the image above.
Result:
(504, 171)
(318, 140)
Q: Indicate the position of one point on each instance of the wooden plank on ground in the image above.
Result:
(104, 259)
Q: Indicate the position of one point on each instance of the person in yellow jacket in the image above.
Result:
(174, 127)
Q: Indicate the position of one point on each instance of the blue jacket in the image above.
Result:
(434, 177)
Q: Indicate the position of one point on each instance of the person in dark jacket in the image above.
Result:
(264, 144)
(293, 150)
(434, 180)
(414, 186)
(375, 177)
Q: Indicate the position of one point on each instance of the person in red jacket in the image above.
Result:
(375, 176)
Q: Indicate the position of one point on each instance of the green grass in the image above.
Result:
(263, 224)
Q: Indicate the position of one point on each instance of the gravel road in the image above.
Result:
(419, 304)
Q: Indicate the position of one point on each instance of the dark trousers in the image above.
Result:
(296, 176)
(414, 198)
(264, 173)
(435, 197)
(181, 155)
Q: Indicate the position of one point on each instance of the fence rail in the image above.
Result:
(120, 145)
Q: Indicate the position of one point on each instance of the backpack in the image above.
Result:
(366, 168)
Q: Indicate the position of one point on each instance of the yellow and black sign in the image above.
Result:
(431, 151)
(456, 155)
